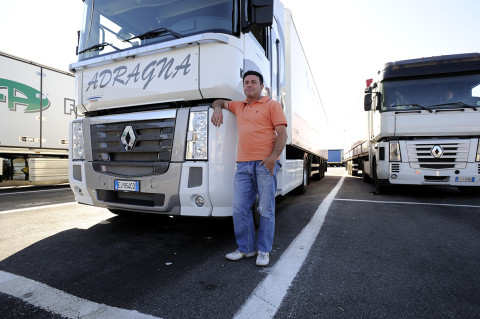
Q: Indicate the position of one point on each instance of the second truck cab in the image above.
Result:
(424, 123)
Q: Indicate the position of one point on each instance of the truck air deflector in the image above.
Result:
(151, 49)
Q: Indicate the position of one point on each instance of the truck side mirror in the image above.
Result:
(78, 41)
(367, 101)
(260, 13)
(378, 101)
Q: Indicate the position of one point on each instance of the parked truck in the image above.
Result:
(36, 106)
(423, 124)
(354, 157)
(335, 158)
(147, 74)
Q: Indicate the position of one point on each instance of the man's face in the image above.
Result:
(252, 87)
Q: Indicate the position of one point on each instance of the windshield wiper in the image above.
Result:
(96, 47)
(155, 33)
(415, 105)
(459, 104)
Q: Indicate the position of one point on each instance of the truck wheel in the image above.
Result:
(317, 177)
(375, 182)
(354, 171)
(365, 177)
(381, 186)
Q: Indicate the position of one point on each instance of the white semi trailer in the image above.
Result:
(423, 124)
(36, 106)
(147, 74)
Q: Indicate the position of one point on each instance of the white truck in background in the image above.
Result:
(423, 124)
(355, 156)
(36, 106)
(147, 74)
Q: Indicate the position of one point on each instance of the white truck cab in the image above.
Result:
(424, 123)
(147, 74)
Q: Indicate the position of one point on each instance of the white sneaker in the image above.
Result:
(237, 255)
(263, 259)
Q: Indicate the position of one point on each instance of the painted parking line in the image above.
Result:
(406, 203)
(268, 295)
(35, 191)
(59, 302)
(19, 210)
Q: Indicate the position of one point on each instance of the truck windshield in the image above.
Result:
(432, 93)
(114, 25)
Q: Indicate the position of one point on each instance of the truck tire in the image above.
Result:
(365, 177)
(354, 171)
(317, 177)
(381, 186)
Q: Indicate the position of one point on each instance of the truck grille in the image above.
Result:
(450, 155)
(135, 149)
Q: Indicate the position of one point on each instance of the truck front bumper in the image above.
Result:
(182, 190)
(402, 173)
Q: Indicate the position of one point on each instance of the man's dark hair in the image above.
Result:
(253, 73)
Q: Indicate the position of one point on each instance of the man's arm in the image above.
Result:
(217, 116)
(277, 148)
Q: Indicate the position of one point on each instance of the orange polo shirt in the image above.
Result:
(256, 124)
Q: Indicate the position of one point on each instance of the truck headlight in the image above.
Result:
(197, 136)
(395, 155)
(478, 152)
(78, 147)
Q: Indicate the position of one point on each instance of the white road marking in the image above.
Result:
(405, 203)
(35, 207)
(268, 295)
(37, 191)
(59, 302)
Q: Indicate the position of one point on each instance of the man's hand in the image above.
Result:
(217, 116)
(269, 163)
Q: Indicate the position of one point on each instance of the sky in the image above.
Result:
(345, 41)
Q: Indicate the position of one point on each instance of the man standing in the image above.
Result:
(262, 134)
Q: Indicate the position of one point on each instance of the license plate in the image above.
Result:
(131, 186)
(464, 179)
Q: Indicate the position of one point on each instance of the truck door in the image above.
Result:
(277, 62)
(256, 55)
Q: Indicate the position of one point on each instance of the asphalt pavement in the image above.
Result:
(412, 253)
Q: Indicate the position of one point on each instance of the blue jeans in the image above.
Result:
(252, 179)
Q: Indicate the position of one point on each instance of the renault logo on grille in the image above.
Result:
(128, 138)
(437, 151)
